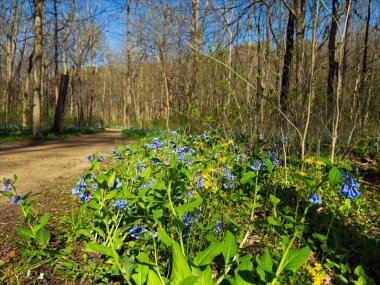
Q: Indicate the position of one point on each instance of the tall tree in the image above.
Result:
(38, 34)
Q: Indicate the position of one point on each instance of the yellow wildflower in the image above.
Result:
(318, 280)
(302, 173)
(231, 142)
(318, 266)
(310, 159)
(205, 175)
(224, 145)
(211, 170)
(320, 163)
(222, 160)
(207, 185)
(214, 189)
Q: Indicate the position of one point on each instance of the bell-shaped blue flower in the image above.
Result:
(315, 199)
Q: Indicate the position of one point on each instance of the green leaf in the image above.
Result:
(42, 222)
(265, 262)
(269, 165)
(153, 278)
(144, 258)
(206, 277)
(146, 172)
(127, 264)
(159, 185)
(26, 233)
(188, 207)
(346, 166)
(244, 272)
(98, 248)
(141, 275)
(319, 236)
(111, 180)
(181, 269)
(229, 247)
(189, 280)
(42, 237)
(164, 237)
(93, 205)
(84, 232)
(296, 258)
(274, 200)
(334, 176)
(247, 177)
(205, 257)
(325, 160)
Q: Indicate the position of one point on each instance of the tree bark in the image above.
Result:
(60, 108)
(38, 16)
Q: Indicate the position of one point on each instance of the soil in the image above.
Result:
(48, 169)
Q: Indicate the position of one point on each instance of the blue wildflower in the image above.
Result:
(116, 154)
(174, 133)
(136, 231)
(284, 140)
(90, 158)
(154, 233)
(349, 187)
(121, 204)
(273, 157)
(148, 184)
(101, 157)
(116, 184)
(218, 228)
(256, 166)
(16, 200)
(7, 186)
(85, 197)
(229, 177)
(315, 199)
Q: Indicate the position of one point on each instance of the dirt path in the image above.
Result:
(41, 164)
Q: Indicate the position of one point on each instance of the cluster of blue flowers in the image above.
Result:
(116, 154)
(218, 227)
(100, 157)
(137, 231)
(120, 204)
(81, 191)
(229, 178)
(156, 145)
(350, 187)
(7, 185)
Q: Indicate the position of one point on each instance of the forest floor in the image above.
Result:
(49, 169)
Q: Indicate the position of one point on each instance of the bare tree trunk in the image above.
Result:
(38, 16)
(285, 82)
(339, 87)
(332, 62)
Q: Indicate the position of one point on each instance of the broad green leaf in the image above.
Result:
(146, 172)
(188, 207)
(229, 247)
(153, 278)
(324, 160)
(181, 269)
(43, 220)
(84, 232)
(308, 181)
(269, 165)
(111, 194)
(26, 233)
(334, 176)
(273, 221)
(144, 258)
(100, 232)
(346, 166)
(296, 258)
(159, 185)
(141, 274)
(265, 262)
(42, 237)
(244, 272)
(206, 277)
(164, 237)
(274, 200)
(127, 264)
(98, 248)
(205, 257)
(247, 177)
(93, 205)
(111, 180)
(191, 280)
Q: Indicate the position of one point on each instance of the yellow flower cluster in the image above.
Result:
(311, 160)
(207, 185)
(318, 276)
(221, 160)
(214, 189)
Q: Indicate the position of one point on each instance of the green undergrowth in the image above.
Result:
(14, 133)
(184, 209)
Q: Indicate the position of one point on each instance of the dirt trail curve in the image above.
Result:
(40, 165)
